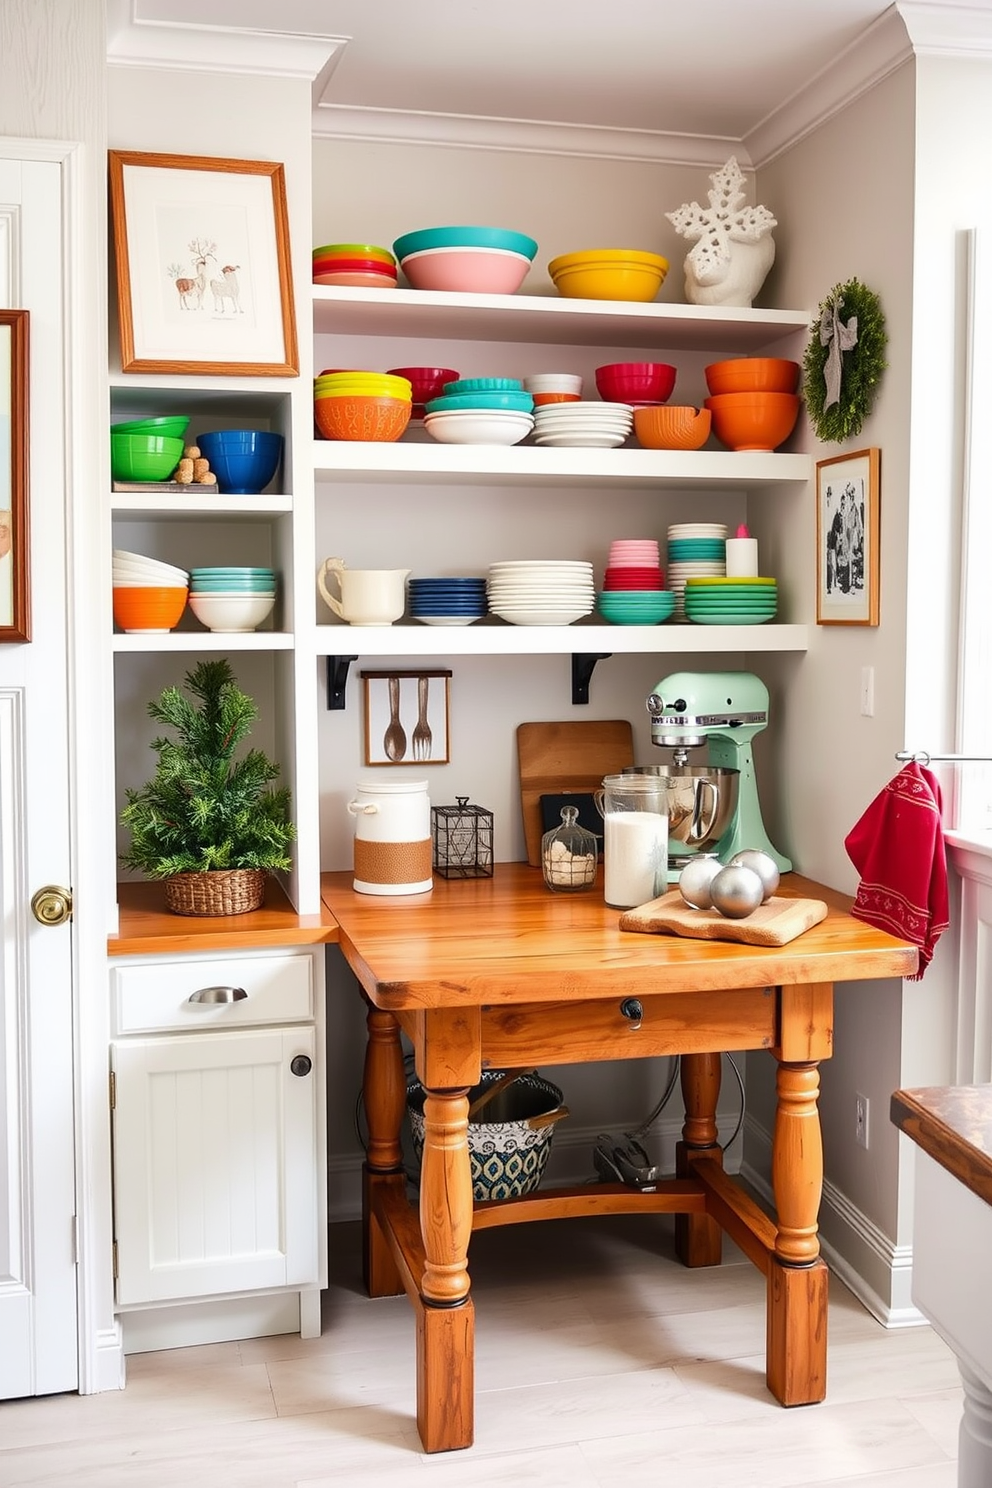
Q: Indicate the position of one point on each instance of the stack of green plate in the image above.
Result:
(714, 601)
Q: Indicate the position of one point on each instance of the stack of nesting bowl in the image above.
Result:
(474, 260)
(608, 274)
(481, 410)
(634, 590)
(146, 449)
(753, 401)
(232, 599)
(243, 460)
(149, 596)
(361, 264)
(553, 387)
(374, 407)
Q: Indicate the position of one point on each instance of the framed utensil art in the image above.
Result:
(14, 571)
(204, 282)
(406, 717)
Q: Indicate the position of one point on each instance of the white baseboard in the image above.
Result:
(106, 1364)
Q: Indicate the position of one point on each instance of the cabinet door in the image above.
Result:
(215, 1181)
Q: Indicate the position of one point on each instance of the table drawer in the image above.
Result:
(154, 996)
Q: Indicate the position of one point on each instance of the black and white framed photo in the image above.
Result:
(847, 539)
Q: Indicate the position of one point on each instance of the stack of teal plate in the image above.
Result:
(720, 601)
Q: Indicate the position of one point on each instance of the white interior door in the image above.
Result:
(38, 1319)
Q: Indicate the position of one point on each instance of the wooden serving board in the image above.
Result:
(557, 757)
(773, 923)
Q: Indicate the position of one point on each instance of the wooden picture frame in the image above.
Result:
(204, 279)
(847, 538)
(407, 717)
(14, 530)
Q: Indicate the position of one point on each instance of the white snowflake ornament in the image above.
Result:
(734, 247)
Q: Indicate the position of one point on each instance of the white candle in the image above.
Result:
(635, 856)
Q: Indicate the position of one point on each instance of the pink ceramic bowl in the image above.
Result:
(468, 270)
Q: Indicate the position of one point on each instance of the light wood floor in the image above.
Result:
(601, 1363)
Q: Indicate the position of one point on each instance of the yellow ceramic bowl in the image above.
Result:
(368, 386)
(672, 427)
(609, 274)
(589, 257)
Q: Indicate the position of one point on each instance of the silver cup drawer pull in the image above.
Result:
(218, 994)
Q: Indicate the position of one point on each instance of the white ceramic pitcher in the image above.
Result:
(366, 596)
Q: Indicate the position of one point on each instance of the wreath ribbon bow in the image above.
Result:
(837, 338)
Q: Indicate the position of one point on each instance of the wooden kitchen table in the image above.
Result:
(501, 973)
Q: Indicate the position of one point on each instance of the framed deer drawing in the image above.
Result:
(204, 281)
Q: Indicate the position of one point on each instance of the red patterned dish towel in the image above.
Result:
(898, 848)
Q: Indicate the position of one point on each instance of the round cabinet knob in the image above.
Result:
(301, 1064)
(51, 905)
(632, 1009)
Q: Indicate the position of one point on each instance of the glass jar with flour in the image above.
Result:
(635, 838)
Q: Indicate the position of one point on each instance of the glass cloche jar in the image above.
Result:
(569, 854)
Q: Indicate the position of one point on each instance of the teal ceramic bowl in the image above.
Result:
(464, 237)
(143, 457)
(452, 402)
(636, 607)
(483, 385)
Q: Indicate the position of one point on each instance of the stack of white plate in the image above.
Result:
(135, 571)
(541, 591)
(680, 569)
(603, 425)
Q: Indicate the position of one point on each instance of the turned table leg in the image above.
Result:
(698, 1238)
(446, 1321)
(796, 1358)
(384, 1097)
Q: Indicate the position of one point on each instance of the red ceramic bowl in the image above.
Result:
(635, 382)
(353, 266)
(377, 420)
(425, 382)
(634, 578)
(753, 375)
(753, 421)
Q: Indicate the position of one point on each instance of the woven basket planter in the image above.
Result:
(229, 891)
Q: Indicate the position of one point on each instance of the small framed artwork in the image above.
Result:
(406, 717)
(847, 539)
(204, 282)
(14, 572)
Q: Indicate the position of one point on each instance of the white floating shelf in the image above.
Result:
(206, 640)
(550, 320)
(490, 464)
(197, 508)
(486, 639)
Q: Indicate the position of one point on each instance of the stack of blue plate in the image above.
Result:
(450, 601)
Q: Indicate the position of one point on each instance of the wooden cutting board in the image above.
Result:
(773, 923)
(555, 757)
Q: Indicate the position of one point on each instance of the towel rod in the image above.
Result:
(923, 757)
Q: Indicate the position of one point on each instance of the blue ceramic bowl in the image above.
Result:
(243, 460)
(464, 237)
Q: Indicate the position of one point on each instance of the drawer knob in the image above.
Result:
(301, 1065)
(631, 1008)
(218, 994)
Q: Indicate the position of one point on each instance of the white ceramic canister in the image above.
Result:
(392, 837)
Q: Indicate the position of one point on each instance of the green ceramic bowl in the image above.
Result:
(172, 427)
(143, 457)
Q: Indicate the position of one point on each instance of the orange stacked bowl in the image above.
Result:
(753, 401)
(357, 265)
(149, 596)
(373, 407)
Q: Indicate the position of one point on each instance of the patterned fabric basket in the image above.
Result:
(508, 1158)
(229, 891)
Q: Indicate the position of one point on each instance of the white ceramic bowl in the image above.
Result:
(231, 612)
(482, 426)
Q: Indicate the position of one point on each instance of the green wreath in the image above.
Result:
(849, 332)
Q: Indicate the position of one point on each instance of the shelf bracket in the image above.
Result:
(337, 680)
(583, 666)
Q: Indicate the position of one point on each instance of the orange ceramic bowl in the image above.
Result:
(753, 375)
(151, 609)
(379, 420)
(753, 421)
(672, 427)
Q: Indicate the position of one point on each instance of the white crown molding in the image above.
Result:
(522, 136)
(134, 42)
(939, 29)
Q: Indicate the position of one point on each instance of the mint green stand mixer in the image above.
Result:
(721, 712)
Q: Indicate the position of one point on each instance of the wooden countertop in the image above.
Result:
(508, 939)
(146, 927)
(953, 1123)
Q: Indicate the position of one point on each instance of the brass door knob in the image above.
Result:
(52, 905)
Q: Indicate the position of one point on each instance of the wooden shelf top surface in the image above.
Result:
(953, 1123)
(146, 927)
(508, 939)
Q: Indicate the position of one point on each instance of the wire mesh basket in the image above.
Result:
(462, 840)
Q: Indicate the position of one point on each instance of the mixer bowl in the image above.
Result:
(700, 801)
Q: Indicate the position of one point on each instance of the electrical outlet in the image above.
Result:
(861, 1120)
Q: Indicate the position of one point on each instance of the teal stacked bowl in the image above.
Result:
(500, 238)
(636, 606)
(449, 402)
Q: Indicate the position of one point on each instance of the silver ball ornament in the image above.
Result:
(760, 863)
(695, 880)
(736, 891)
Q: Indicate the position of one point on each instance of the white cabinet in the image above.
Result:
(218, 1141)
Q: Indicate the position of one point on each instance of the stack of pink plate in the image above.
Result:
(634, 563)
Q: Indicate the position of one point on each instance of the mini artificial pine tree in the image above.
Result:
(205, 811)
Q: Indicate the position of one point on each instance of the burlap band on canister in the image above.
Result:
(392, 862)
